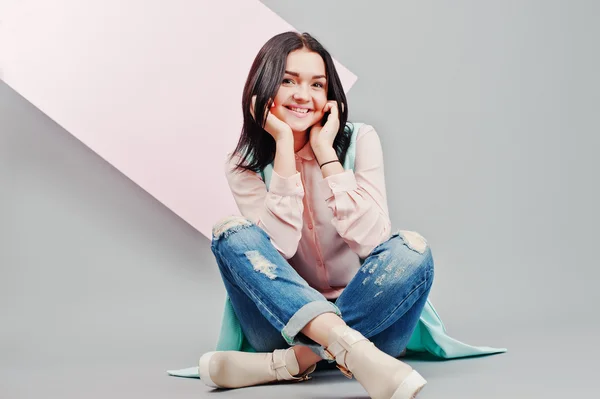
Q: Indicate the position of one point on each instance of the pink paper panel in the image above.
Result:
(153, 87)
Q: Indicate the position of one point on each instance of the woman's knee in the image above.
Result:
(414, 241)
(230, 235)
(228, 225)
(411, 252)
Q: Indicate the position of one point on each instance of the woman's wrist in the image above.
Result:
(284, 136)
(325, 155)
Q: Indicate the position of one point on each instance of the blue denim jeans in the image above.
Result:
(383, 301)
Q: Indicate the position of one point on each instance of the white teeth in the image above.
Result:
(301, 110)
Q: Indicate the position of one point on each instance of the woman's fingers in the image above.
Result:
(334, 109)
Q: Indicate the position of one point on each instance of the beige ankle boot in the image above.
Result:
(231, 369)
(382, 376)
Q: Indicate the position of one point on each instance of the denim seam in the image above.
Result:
(368, 333)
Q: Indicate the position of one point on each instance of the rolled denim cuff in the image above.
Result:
(302, 317)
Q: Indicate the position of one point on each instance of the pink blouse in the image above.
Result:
(323, 227)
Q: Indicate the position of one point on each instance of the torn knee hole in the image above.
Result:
(414, 240)
(229, 224)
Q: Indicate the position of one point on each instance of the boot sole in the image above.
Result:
(410, 387)
(203, 369)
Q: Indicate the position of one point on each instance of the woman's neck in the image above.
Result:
(300, 140)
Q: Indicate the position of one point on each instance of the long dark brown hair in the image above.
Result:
(256, 146)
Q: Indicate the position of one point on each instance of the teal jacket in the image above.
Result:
(429, 335)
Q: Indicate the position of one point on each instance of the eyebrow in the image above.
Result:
(298, 75)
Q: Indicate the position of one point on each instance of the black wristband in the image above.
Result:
(325, 163)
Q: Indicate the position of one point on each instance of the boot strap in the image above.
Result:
(282, 372)
(338, 349)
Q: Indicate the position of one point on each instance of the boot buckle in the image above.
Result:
(345, 371)
(304, 378)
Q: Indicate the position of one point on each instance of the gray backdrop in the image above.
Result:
(488, 112)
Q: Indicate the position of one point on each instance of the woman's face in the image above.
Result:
(300, 100)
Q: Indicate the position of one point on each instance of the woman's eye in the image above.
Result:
(288, 81)
(319, 85)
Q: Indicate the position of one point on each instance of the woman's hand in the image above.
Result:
(322, 137)
(274, 126)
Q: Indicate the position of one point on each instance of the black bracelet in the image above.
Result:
(323, 164)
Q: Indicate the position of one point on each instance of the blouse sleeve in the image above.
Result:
(277, 211)
(358, 198)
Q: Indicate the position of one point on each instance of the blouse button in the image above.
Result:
(333, 184)
(310, 226)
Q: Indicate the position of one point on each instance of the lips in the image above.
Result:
(299, 112)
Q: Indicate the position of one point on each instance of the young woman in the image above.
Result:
(312, 268)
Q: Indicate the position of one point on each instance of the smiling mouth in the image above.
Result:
(299, 112)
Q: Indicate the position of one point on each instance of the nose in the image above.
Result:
(301, 93)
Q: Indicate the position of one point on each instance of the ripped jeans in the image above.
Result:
(383, 301)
